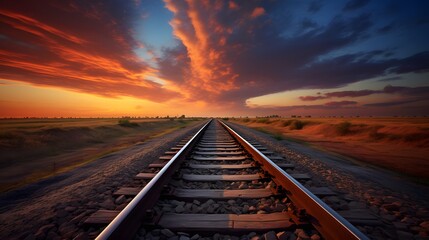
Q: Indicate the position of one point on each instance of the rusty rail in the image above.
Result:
(126, 224)
(328, 222)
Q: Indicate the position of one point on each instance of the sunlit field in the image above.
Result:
(32, 149)
(397, 144)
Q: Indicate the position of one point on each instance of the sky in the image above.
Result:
(112, 58)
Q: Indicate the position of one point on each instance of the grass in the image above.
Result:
(397, 144)
(343, 128)
(32, 149)
(127, 123)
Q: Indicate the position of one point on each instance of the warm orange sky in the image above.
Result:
(213, 58)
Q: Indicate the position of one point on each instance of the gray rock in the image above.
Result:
(195, 209)
(43, 230)
(282, 235)
(391, 207)
(179, 209)
(425, 225)
(81, 236)
(216, 236)
(400, 225)
(271, 235)
(156, 232)
(142, 232)
(31, 237)
(188, 206)
(315, 237)
(70, 209)
(53, 235)
(210, 209)
(195, 237)
(301, 234)
(183, 237)
(245, 209)
(108, 204)
(167, 232)
(235, 210)
(183, 233)
(119, 200)
(388, 217)
(61, 213)
(252, 234)
(67, 228)
(404, 235)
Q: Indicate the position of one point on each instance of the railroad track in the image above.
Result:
(217, 182)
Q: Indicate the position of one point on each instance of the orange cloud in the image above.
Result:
(88, 54)
(233, 6)
(257, 12)
(210, 70)
(35, 27)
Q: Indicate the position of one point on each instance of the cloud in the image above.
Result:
(257, 12)
(393, 103)
(355, 4)
(315, 6)
(340, 103)
(225, 56)
(196, 25)
(389, 89)
(312, 98)
(90, 50)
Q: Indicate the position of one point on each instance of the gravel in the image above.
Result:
(237, 206)
(401, 206)
(166, 234)
(55, 208)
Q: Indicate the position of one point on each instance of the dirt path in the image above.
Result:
(53, 207)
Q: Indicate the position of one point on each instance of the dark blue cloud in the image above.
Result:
(289, 48)
(355, 4)
(315, 6)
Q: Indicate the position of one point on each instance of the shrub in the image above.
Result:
(343, 128)
(287, 123)
(374, 134)
(296, 125)
(126, 123)
(263, 120)
(245, 120)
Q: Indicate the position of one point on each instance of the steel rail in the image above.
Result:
(127, 222)
(327, 221)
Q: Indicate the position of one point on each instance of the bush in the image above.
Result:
(296, 125)
(263, 120)
(343, 128)
(287, 123)
(246, 120)
(374, 134)
(127, 123)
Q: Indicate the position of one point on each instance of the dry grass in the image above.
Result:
(398, 144)
(34, 149)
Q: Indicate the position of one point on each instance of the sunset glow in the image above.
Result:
(213, 58)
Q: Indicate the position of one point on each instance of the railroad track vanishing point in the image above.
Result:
(218, 183)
